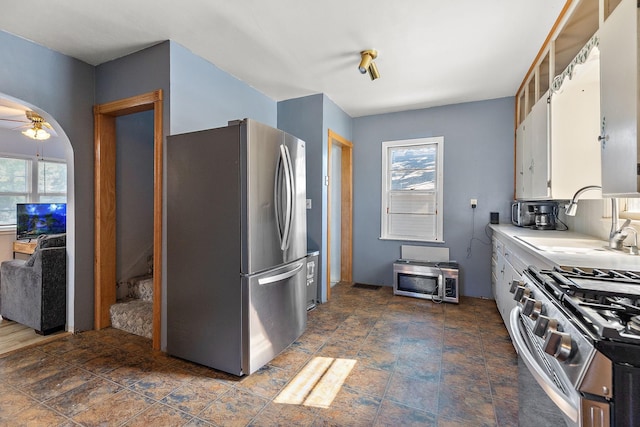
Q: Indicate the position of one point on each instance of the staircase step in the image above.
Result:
(133, 316)
(141, 288)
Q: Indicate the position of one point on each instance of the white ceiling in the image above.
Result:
(430, 52)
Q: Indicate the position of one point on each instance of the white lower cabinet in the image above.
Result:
(507, 264)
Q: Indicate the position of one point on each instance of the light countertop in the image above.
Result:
(568, 248)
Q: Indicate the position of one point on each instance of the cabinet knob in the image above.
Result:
(603, 140)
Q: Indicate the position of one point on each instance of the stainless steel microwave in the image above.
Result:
(437, 281)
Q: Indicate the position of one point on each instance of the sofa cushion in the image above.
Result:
(47, 241)
(51, 241)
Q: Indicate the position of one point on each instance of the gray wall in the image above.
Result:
(135, 74)
(62, 88)
(197, 95)
(478, 163)
(141, 72)
(204, 97)
(134, 194)
(478, 149)
(302, 117)
(309, 118)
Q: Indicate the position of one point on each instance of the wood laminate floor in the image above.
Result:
(367, 358)
(14, 336)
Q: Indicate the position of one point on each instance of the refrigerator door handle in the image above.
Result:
(277, 195)
(280, 277)
(283, 174)
(290, 198)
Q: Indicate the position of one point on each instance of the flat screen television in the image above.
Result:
(35, 219)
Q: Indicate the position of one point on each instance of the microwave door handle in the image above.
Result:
(554, 393)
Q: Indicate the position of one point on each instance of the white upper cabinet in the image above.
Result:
(531, 153)
(619, 101)
(575, 116)
(557, 148)
(558, 107)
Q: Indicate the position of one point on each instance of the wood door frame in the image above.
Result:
(105, 204)
(346, 209)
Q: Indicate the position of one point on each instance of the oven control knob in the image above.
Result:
(532, 308)
(521, 293)
(558, 344)
(544, 325)
(514, 285)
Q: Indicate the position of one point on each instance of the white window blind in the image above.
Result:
(412, 189)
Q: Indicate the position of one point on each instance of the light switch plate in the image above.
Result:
(308, 203)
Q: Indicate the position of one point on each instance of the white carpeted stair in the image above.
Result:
(134, 313)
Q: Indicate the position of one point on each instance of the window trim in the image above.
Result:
(37, 195)
(385, 189)
(32, 194)
(623, 213)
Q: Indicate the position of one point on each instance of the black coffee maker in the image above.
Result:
(545, 216)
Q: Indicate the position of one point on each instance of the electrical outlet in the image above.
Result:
(474, 203)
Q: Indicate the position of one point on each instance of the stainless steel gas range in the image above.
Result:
(577, 331)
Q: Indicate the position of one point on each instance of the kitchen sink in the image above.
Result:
(567, 245)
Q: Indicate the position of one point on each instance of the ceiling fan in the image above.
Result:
(35, 127)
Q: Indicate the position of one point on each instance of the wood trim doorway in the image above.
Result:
(346, 209)
(105, 204)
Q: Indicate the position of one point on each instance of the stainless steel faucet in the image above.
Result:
(572, 207)
(633, 250)
(617, 234)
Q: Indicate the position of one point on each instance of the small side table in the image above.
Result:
(26, 248)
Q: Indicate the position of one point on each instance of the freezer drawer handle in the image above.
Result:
(280, 277)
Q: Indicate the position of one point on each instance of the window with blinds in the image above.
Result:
(29, 180)
(412, 189)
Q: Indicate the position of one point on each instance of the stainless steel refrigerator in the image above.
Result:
(236, 245)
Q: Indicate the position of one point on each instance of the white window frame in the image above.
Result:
(32, 194)
(385, 232)
(35, 184)
(628, 212)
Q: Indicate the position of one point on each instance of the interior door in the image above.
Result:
(344, 216)
(336, 214)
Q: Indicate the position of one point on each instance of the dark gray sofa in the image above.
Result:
(33, 292)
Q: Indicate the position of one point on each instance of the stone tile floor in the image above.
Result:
(367, 358)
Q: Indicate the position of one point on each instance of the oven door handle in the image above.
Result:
(554, 393)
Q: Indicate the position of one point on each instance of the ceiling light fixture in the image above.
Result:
(367, 64)
(36, 131)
